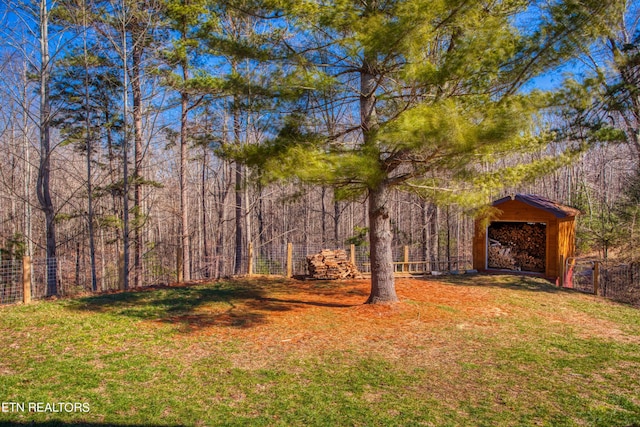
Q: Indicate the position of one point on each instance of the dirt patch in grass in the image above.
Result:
(285, 318)
(274, 321)
(280, 315)
(336, 306)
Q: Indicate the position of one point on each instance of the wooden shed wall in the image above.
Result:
(567, 239)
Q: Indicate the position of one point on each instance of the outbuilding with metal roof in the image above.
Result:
(527, 233)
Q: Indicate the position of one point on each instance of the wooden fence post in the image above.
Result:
(596, 277)
(26, 279)
(405, 266)
(250, 263)
(352, 254)
(289, 260)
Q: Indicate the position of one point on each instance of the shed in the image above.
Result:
(528, 234)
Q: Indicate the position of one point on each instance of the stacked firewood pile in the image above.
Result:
(332, 265)
(517, 246)
(500, 256)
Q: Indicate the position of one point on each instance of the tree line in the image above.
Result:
(147, 137)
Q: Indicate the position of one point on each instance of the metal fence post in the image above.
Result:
(26, 279)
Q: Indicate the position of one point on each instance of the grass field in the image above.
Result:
(463, 351)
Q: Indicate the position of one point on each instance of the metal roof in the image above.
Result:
(539, 202)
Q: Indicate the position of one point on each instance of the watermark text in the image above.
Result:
(44, 407)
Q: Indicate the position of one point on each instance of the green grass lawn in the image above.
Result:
(468, 350)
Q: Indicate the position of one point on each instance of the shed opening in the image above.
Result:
(517, 246)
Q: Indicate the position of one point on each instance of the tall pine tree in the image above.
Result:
(184, 19)
(433, 87)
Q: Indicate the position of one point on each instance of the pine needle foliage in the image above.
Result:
(445, 99)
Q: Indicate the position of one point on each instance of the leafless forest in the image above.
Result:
(138, 182)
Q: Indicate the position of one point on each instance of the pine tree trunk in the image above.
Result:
(238, 219)
(246, 212)
(425, 229)
(124, 282)
(89, 148)
(380, 235)
(323, 192)
(435, 238)
(383, 288)
(203, 213)
(184, 208)
(336, 223)
(136, 91)
(28, 170)
(238, 194)
(43, 189)
(90, 214)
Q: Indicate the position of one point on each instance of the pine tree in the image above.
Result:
(184, 19)
(130, 27)
(433, 88)
(241, 38)
(602, 103)
(76, 91)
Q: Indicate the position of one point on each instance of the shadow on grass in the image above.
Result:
(235, 303)
(192, 307)
(276, 304)
(504, 281)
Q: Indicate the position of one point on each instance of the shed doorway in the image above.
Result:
(517, 246)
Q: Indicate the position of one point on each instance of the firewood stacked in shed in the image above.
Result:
(500, 256)
(332, 265)
(517, 246)
(530, 263)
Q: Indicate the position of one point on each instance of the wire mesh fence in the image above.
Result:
(11, 287)
(621, 282)
(211, 267)
(580, 274)
(274, 260)
(410, 260)
(75, 276)
(270, 260)
(66, 277)
(44, 271)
